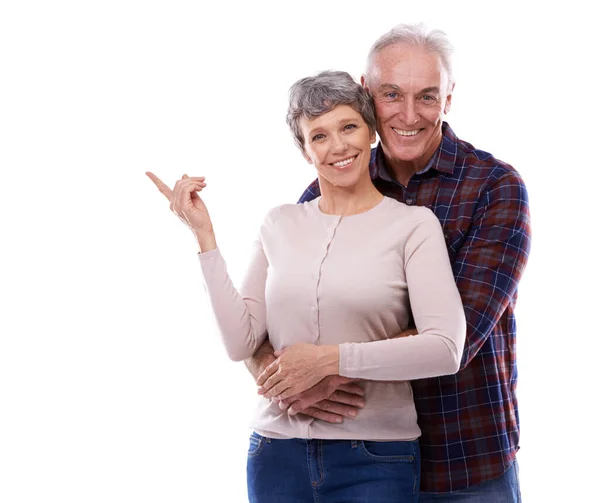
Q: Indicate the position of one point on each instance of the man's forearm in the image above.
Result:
(262, 358)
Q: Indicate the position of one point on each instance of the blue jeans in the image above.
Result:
(350, 471)
(503, 489)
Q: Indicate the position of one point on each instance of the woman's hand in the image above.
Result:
(191, 210)
(296, 369)
(186, 203)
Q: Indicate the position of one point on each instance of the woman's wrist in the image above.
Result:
(206, 240)
(330, 360)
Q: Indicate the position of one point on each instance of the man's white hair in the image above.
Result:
(418, 35)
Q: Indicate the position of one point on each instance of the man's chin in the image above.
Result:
(406, 154)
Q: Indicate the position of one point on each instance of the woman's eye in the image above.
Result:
(318, 137)
(349, 126)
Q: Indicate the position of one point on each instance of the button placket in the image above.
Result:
(331, 230)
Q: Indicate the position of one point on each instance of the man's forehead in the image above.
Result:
(406, 62)
(402, 49)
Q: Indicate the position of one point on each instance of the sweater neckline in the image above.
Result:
(315, 205)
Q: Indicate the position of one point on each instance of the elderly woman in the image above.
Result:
(333, 283)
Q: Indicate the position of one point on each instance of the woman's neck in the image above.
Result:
(348, 201)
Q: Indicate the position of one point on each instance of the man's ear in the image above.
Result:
(363, 82)
(448, 103)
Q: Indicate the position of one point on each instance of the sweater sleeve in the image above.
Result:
(240, 316)
(437, 311)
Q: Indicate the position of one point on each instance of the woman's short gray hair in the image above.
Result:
(312, 97)
(435, 41)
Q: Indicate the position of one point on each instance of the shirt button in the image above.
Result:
(409, 201)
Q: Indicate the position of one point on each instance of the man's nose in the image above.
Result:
(408, 112)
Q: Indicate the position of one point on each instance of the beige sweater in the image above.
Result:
(352, 281)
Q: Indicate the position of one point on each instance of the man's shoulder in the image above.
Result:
(311, 192)
(481, 177)
(475, 163)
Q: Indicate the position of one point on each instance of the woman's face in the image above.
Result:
(338, 143)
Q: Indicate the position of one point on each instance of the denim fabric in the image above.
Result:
(503, 489)
(327, 471)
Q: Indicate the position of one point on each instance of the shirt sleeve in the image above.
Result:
(437, 311)
(240, 316)
(491, 261)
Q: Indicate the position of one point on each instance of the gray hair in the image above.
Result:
(312, 97)
(435, 41)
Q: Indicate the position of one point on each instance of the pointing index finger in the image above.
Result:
(162, 187)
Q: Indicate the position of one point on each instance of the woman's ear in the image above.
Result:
(306, 156)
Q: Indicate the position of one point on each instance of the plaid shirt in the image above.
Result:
(469, 420)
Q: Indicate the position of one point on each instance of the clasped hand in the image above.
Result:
(297, 369)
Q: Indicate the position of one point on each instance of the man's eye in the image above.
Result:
(428, 97)
(391, 95)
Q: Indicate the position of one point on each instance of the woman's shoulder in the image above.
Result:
(289, 210)
(410, 218)
(406, 210)
(284, 214)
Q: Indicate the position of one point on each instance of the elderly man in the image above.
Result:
(469, 421)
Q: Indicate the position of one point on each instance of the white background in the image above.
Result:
(113, 384)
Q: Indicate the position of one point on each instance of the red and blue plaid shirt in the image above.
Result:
(470, 420)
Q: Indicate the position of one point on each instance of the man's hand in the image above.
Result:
(333, 398)
(407, 333)
(330, 400)
(297, 369)
(262, 358)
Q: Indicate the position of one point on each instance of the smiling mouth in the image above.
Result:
(406, 132)
(344, 163)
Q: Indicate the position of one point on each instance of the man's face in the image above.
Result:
(411, 92)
